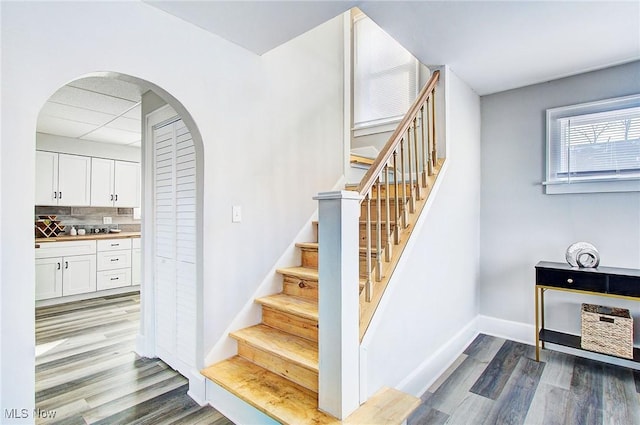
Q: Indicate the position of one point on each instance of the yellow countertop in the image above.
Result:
(91, 236)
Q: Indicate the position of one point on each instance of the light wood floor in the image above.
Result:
(88, 373)
(499, 382)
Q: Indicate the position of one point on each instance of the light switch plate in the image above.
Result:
(106, 220)
(236, 214)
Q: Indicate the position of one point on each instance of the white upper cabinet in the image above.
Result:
(127, 184)
(115, 183)
(74, 180)
(62, 179)
(46, 178)
(102, 175)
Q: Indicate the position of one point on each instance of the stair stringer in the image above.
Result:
(376, 321)
(251, 313)
(228, 404)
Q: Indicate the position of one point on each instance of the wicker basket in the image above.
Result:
(607, 330)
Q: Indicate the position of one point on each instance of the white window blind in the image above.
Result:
(594, 143)
(385, 76)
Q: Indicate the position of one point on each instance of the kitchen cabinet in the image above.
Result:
(62, 179)
(78, 274)
(114, 263)
(63, 276)
(48, 278)
(115, 183)
(86, 265)
(65, 268)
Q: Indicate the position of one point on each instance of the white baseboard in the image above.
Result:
(525, 333)
(233, 408)
(435, 365)
(197, 387)
(507, 329)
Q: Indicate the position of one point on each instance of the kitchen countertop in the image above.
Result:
(91, 236)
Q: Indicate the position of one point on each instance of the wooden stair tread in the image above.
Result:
(290, 403)
(387, 406)
(283, 400)
(300, 272)
(281, 344)
(289, 304)
(307, 245)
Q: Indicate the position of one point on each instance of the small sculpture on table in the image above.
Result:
(583, 255)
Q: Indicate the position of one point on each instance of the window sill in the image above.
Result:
(382, 126)
(592, 187)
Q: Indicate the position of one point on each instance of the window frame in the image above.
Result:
(383, 124)
(589, 183)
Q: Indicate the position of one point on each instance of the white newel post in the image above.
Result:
(338, 305)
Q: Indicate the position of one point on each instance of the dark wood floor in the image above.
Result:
(88, 373)
(499, 382)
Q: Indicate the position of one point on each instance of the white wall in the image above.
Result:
(53, 143)
(521, 225)
(432, 297)
(271, 128)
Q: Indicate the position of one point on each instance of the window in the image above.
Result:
(594, 147)
(385, 76)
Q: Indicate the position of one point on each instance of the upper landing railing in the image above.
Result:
(395, 181)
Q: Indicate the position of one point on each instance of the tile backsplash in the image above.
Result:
(90, 218)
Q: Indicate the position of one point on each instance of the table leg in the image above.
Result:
(537, 328)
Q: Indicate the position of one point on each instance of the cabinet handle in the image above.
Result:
(114, 278)
(112, 196)
(114, 259)
(569, 280)
(66, 264)
(115, 244)
(59, 266)
(60, 195)
(116, 197)
(55, 195)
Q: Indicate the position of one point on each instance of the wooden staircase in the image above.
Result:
(276, 368)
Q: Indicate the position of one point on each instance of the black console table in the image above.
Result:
(602, 281)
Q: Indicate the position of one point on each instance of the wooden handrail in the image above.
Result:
(377, 167)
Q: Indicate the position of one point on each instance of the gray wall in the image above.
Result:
(520, 225)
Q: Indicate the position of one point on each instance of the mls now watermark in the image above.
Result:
(26, 413)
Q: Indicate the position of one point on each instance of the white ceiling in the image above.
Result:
(95, 108)
(492, 45)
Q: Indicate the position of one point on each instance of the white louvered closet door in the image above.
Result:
(175, 243)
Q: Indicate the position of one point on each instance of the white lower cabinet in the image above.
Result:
(114, 263)
(48, 278)
(86, 266)
(114, 279)
(78, 275)
(62, 276)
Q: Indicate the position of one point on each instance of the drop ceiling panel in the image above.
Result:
(91, 100)
(110, 86)
(127, 124)
(62, 127)
(135, 113)
(73, 113)
(112, 135)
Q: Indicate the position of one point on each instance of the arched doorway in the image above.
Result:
(154, 102)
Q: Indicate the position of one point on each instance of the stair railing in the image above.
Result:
(410, 157)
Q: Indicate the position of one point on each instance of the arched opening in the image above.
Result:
(92, 119)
